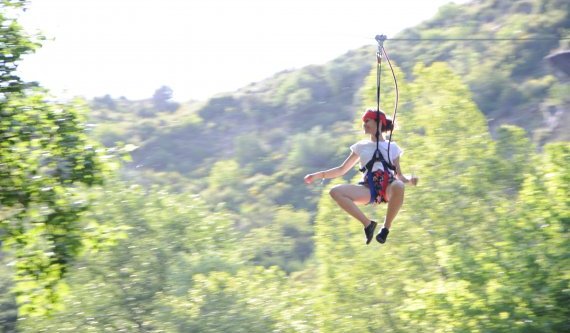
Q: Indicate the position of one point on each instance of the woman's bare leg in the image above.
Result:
(395, 194)
(348, 196)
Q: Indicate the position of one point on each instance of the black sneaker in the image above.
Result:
(369, 231)
(382, 235)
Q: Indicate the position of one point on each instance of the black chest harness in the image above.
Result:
(371, 177)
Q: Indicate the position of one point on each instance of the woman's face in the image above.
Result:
(369, 126)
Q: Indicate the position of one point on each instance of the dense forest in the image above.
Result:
(160, 216)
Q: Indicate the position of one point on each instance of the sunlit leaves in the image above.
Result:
(46, 163)
(163, 244)
(463, 256)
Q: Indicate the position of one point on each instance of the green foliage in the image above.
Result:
(224, 183)
(176, 270)
(312, 150)
(8, 306)
(47, 162)
(559, 94)
(15, 43)
(46, 165)
(105, 102)
(531, 240)
(240, 244)
(464, 259)
(252, 300)
(287, 251)
(499, 73)
(514, 158)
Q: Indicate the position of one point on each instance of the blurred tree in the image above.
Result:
(285, 242)
(249, 152)
(446, 140)
(46, 161)
(541, 242)
(313, 150)
(336, 249)
(225, 184)
(15, 44)
(514, 158)
(105, 102)
(161, 242)
(8, 306)
(515, 283)
(162, 99)
(252, 300)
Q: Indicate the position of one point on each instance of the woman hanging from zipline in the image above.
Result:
(380, 182)
(383, 180)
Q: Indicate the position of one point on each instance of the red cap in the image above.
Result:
(371, 114)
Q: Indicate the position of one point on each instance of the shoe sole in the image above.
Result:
(370, 240)
(380, 239)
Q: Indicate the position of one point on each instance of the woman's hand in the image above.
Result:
(414, 181)
(310, 178)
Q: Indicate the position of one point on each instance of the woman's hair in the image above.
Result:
(386, 124)
(388, 127)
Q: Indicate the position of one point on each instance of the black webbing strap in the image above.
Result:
(380, 39)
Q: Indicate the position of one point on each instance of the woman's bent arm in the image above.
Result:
(334, 172)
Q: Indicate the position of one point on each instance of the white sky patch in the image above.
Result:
(198, 47)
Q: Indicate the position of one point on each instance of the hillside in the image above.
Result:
(249, 150)
(510, 81)
(266, 114)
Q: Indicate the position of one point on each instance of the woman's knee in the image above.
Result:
(335, 192)
(397, 187)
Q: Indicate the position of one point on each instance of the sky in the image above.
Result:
(199, 48)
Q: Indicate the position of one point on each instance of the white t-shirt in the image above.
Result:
(365, 150)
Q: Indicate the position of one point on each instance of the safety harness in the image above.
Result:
(381, 119)
(386, 166)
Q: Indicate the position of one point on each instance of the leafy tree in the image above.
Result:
(249, 301)
(224, 183)
(424, 279)
(515, 158)
(285, 242)
(162, 99)
(105, 102)
(313, 150)
(529, 249)
(497, 72)
(511, 285)
(15, 44)
(8, 306)
(159, 242)
(46, 161)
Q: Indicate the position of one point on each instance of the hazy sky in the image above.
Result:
(199, 47)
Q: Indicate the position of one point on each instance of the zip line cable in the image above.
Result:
(459, 38)
(475, 39)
